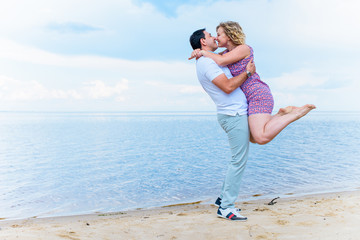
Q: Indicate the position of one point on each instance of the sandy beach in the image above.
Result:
(324, 216)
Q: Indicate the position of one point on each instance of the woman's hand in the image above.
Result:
(196, 53)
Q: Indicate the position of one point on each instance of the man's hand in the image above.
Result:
(251, 67)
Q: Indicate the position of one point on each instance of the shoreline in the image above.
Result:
(318, 216)
(207, 201)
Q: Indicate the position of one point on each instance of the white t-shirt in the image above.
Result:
(229, 104)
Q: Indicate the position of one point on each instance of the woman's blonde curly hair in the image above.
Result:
(233, 31)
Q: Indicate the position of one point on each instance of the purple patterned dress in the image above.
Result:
(258, 94)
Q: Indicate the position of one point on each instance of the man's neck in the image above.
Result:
(205, 48)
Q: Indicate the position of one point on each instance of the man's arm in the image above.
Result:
(229, 85)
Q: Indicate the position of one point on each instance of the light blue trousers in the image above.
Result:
(237, 130)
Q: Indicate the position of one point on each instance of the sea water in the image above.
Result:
(56, 164)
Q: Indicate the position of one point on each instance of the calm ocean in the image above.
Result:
(55, 164)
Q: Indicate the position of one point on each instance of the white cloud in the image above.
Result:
(98, 89)
(328, 92)
(145, 70)
(61, 83)
(176, 88)
(330, 23)
(15, 90)
(303, 78)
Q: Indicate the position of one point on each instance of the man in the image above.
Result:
(232, 115)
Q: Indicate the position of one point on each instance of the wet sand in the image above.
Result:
(322, 216)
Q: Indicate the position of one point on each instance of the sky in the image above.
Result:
(131, 55)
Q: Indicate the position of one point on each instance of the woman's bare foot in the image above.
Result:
(299, 112)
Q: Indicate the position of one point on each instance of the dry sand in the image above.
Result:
(326, 216)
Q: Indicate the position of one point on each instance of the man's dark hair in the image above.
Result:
(195, 38)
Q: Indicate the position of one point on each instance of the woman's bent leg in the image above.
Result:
(264, 127)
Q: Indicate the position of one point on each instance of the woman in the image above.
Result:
(263, 126)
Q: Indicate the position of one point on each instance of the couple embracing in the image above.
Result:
(244, 103)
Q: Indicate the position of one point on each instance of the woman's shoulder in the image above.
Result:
(244, 49)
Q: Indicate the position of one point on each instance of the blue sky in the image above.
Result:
(131, 55)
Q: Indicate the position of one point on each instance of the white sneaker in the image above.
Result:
(230, 214)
